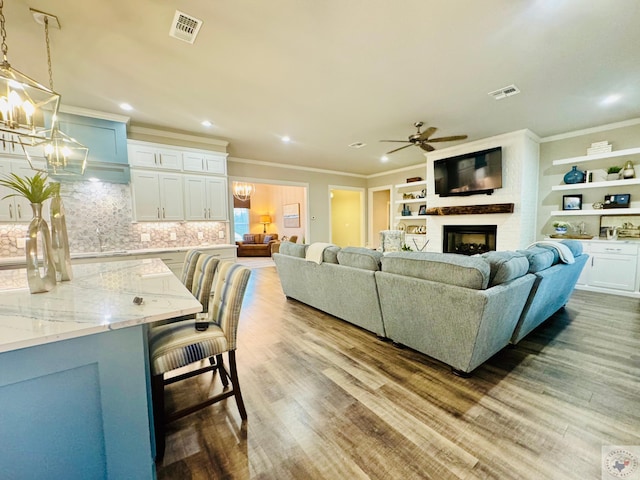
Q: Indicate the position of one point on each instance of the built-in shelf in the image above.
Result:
(410, 217)
(608, 184)
(593, 211)
(421, 183)
(599, 156)
(412, 200)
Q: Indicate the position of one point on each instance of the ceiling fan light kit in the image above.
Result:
(423, 139)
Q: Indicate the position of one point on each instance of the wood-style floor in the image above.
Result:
(327, 400)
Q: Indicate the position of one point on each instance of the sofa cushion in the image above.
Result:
(452, 269)
(248, 238)
(293, 249)
(330, 254)
(360, 257)
(539, 258)
(560, 251)
(505, 266)
(574, 245)
(267, 239)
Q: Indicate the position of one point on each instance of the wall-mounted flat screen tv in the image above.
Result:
(469, 174)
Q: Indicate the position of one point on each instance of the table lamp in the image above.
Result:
(265, 220)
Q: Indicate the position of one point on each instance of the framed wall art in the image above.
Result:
(291, 215)
(572, 202)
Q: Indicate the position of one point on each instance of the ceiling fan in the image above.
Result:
(422, 140)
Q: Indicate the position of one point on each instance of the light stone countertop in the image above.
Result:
(98, 299)
(17, 262)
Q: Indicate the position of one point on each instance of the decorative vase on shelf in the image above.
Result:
(59, 239)
(628, 171)
(574, 176)
(561, 230)
(406, 211)
(39, 232)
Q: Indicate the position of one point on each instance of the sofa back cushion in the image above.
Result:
(539, 258)
(505, 266)
(293, 249)
(249, 238)
(360, 257)
(469, 272)
(330, 254)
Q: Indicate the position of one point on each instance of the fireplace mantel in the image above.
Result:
(472, 209)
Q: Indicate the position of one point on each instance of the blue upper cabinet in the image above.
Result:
(107, 143)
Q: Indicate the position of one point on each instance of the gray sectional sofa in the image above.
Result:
(457, 309)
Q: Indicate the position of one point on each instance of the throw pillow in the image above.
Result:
(249, 238)
(267, 238)
(505, 266)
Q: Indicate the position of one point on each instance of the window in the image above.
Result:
(240, 222)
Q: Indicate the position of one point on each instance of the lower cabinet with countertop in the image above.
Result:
(612, 267)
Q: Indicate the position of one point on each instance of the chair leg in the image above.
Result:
(236, 384)
(224, 376)
(157, 395)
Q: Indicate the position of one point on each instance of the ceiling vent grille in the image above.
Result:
(505, 92)
(357, 145)
(185, 27)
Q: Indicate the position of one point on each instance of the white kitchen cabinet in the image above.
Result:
(204, 162)
(157, 196)
(612, 267)
(205, 198)
(151, 156)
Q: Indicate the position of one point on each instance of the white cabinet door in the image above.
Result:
(7, 205)
(613, 271)
(153, 157)
(18, 208)
(146, 195)
(195, 197)
(171, 197)
(216, 165)
(169, 159)
(201, 162)
(217, 196)
(142, 156)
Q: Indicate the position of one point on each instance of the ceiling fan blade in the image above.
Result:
(402, 141)
(427, 147)
(427, 133)
(448, 139)
(410, 145)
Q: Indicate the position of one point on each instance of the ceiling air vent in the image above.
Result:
(357, 145)
(185, 27)
(505, 92)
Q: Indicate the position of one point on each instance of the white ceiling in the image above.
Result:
(332, 72)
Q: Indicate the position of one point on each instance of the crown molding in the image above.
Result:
(155, 132)
(293, 167)
(85, 112)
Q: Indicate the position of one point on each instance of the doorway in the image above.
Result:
(346, 210)
(379, 213)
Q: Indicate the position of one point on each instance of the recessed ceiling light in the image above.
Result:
(126, 106)
(357, 145)
(286, 139)
(206, 123)
(94, 179)
(384, 158)
(608, 100)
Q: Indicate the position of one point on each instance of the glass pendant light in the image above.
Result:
(25, 105)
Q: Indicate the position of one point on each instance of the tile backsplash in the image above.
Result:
(99, 218)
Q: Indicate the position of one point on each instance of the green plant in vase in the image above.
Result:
(36, 190)
(613, 173)
(561, 227)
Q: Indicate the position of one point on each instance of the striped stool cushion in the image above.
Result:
(203, 276)
(178, 344)
(189, 267)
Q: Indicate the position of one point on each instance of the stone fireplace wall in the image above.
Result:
(520, 162)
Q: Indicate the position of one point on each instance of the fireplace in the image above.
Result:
(469, 239)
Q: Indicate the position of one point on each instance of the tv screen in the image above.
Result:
(469, 174)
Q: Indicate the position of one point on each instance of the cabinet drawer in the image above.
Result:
(614, 248)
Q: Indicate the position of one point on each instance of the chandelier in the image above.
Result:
(64, 154)
(243, 191)
(24, 103)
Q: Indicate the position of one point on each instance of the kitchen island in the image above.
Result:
(74, 373)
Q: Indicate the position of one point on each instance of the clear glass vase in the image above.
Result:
(38, 233)
(60, 240)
